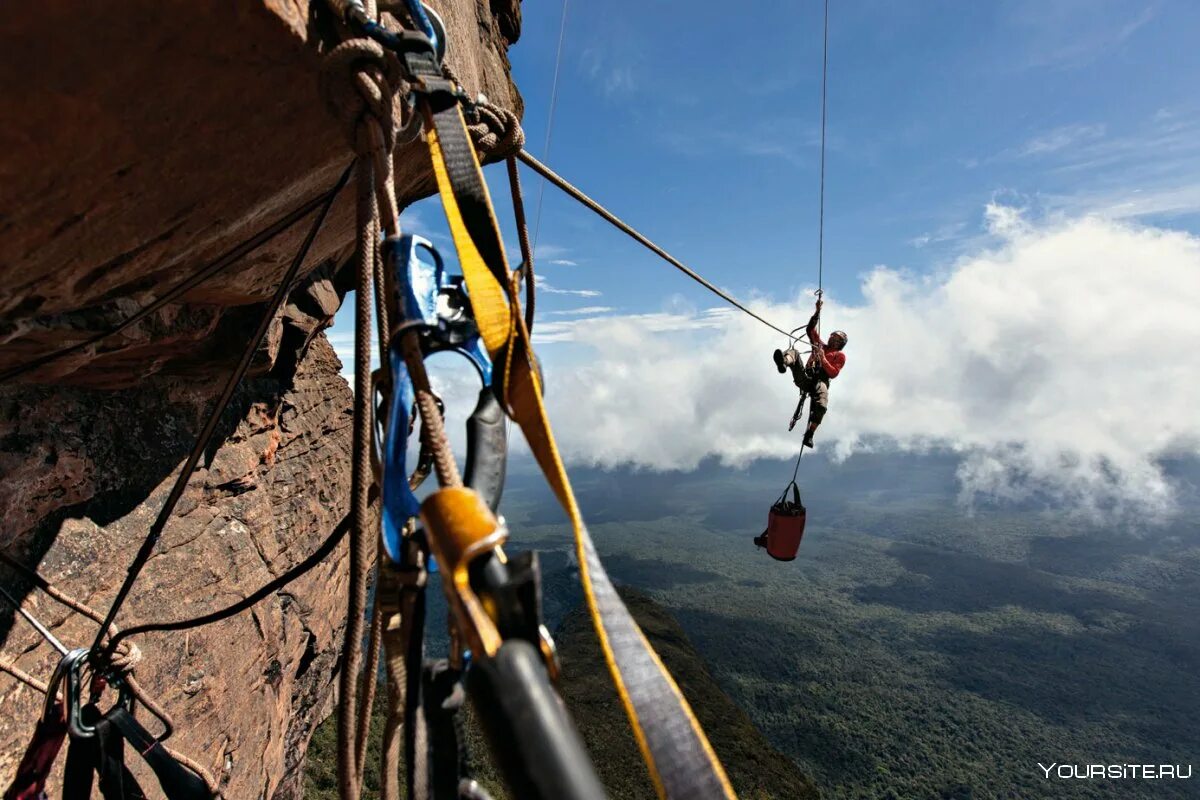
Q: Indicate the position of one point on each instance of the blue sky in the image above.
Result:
(703, 130)
(976, 152)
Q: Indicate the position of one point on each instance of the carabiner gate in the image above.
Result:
(436, 307)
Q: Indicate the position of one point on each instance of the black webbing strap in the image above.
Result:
(441, 102)
(177, 781)
(443, 697)
(102, 754)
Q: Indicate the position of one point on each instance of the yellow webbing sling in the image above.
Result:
(680, 759)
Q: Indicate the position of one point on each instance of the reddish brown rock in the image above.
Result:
(245, 692)
(139, 144)
(150, 140)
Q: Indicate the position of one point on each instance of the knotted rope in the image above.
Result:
(495, 131)
(360, 83)
(123, 660)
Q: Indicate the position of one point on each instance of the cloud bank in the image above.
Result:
(1061, 363)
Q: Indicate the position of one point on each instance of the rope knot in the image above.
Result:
(495, 131)
(126, 657)
(360, 82)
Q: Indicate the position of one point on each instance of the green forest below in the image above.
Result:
(756, 770)
(914, 650)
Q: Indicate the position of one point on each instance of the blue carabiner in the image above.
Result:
(436, 307)
(416, 10)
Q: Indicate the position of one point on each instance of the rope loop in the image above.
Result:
(360, 81)
(125, 657)
(495, 131)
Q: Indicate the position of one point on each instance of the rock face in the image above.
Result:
(146, 143)
(149, 141)
(245, 692)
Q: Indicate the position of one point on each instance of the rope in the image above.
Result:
(567, 187)
(125, 656)
(210, 425)
(360, 81)
(821, 212)
(12, 669)
(349, 776)
(518, 201)
(495, 131)
(319, 555)
(206, 272)
(374, 646)
(433, 429)
(562, 30)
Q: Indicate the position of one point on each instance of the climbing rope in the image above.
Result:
(210, 425)
(614, 220)
(821, 202)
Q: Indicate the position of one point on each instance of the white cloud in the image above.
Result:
(1060, 138)
(564, 262)
(1060, 362)
(583, 311)
(544, 286)
(1068, 34)
(612, 69)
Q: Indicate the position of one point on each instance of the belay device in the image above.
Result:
(785, 526)
(495, 598)
(437, 306)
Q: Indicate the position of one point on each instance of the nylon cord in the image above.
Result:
(821, 203)
(206, 434)
(570, 189)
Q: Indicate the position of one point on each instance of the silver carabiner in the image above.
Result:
(60, 671)
(72, 668)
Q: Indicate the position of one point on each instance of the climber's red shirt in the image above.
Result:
(833, 361)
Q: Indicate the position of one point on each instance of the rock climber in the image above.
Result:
(824, 364)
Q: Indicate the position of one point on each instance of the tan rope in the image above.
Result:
(374, 645)
(433, 429)
(124, 660)
(496, 132)
(360, 81)
(620, 225)
(7, 665)
(349, 776)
